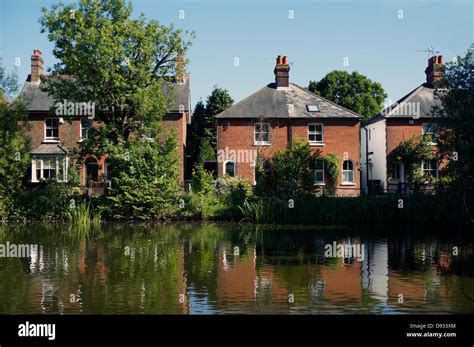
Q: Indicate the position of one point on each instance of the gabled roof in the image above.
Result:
(38, 100)
(424, 96)
(291, 102)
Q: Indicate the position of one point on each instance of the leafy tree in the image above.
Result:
(14, 146)
(196, 131)
(202, 134)
(118, 62)
(456, 119)
(351, 90)
(291, 171)
(412, 153)
(144, 180)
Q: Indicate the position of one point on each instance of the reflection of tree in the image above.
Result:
(134, 268)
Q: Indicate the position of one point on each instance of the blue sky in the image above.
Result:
(322, 33)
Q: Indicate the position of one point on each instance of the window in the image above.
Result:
(49, 167)
(262, 134)
(315, 133)
(229, 168)
(86, 124)
(319, 172)
(51, 129)
(430, 168)
(396, 171)
(106, 169)
(312, 108)
(431, 129)
(347, 171)
(260, 166)
(92, 170)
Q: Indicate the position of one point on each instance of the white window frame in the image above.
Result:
(40, 159)
(316, 132)
(82, 137)
(433, 132)
(348, 172)
(436, 170)
(51, 138)
(235, 167)
(316, 170)
(258, 142)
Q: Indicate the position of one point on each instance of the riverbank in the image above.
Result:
(418, 209)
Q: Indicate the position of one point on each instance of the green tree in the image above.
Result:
(455, 119)
(351, 90)
(119, 63)
(144, 180)
(290, 172)
(14, 146)
(196, 131)
(202, 134)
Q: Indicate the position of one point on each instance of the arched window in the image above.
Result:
(229, 168)
(348, 171)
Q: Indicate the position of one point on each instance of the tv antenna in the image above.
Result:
(430, 50)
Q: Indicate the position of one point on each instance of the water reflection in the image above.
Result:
(228, 268)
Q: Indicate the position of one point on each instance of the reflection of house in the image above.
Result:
(239, 282)
(271, 118)
(54, 139)
(343, 283)
(375, 270)
(408, 117)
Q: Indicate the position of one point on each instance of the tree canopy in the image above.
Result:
(455, 118)
(118, 62)
(351, 90)
(202, 141)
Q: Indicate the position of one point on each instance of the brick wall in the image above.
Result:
(177, 122)
(399, 130)
(69, 135)
(341, 136)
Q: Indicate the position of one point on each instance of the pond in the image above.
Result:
(194, 268)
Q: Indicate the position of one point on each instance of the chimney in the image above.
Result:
(37, 66)
(282, 72)
(181, 75)
(434, 71)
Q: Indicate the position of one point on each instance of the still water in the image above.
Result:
(196, 268)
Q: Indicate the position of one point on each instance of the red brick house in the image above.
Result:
(54, 139)
(409, 117)
(269, 119)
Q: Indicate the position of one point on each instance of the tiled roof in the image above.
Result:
(49, 148)
(423, 95)
(291, 102)
(38, 100)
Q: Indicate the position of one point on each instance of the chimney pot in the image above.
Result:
(433, 73)
(37, 66)
(282, 72)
